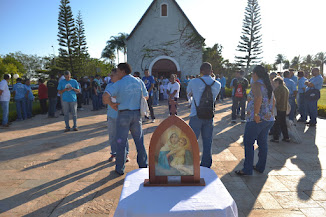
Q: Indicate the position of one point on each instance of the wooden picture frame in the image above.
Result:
(178, 173)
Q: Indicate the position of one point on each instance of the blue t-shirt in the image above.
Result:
(301, 85)
(317, 81)
(20, 90)
(148, 81)
(290, 85)
(223, 81)
(111, 112)
(197, 87)
(295, 79)
(68, 96)
(128, 92)
(30, 92)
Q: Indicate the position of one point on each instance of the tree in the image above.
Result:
(116, 43)
(295, 62)
(286, 64)
(280, 58)
(67, 36)
(320, 60)
(213, 55)
(10, 65)
(307, 63)
(81, 53)
(251, 40)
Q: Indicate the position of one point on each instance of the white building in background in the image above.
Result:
(165, 42)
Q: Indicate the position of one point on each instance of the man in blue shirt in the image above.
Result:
(29, 99)
(204, 127)
(293, 77)
(291, 85)
(68, 89)
(128, 92)
(301, 99)
(112, 118)
(316, 82)
(223, 83)
(149, 83)
(20, 92)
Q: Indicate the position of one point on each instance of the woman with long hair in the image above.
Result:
(260, 119)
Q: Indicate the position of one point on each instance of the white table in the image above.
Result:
(210, 200)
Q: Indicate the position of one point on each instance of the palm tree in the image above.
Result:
(108, 53)
(123, 43)
(295, 62)
(286, 64)
(117, 43)
(307, 63)
(320, 60)
(279, 60)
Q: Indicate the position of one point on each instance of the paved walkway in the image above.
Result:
(45, 172)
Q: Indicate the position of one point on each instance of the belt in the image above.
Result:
(128, 110)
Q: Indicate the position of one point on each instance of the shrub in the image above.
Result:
(322, 111)
(13, 114)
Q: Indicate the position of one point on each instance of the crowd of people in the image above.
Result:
(272, 98)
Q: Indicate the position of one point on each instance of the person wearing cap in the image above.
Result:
(128, 91)
(69, 88)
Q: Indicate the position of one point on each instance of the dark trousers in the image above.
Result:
(43, 106)
(95, 102)
(236, 103)
(52, 104)
(161, 97)
(59, 106)
(175, 99)
(280, 126)
(150, 106)
(79, 100)
(86, 97)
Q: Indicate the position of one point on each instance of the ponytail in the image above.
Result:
(262, 74)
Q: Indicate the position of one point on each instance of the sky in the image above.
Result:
(289, 27)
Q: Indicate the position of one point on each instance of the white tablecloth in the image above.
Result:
(210, 200)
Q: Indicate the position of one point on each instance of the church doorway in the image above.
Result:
(164, 66)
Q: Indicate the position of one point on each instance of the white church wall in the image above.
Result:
(164, 36)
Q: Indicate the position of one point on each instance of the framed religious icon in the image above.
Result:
(174, 155)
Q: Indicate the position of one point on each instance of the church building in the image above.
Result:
(165, 42)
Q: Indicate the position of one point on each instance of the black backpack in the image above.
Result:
(205, 110)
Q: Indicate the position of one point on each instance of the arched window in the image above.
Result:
(164, 10)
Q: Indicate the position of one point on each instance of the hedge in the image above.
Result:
(322, 111)
(13, 113)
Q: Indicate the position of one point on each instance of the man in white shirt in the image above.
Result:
(5, 99)
(173, 90)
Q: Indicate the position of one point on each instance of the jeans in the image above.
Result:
(293, 108)
(52, 106)
(312, 111)
(280, 125)
(5, 111)
(222, 93)
(95, 102)
(236, 103)
(205, 128)
(85, 97)
(176, 111)
(253, 132)
(150, 106)
(112, 133)
(100, 103)
(29, 108)
(302, 107)
(72, 107)
(155, 98)
(129, 121)
(21, 108)
(43, 105)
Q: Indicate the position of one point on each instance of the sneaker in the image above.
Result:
(153, 121)
(243, 121)
(286, 140)
(75, 129)
(127, 159)
(233, 121)
(67, 130)
(274, 140)
(111, 158)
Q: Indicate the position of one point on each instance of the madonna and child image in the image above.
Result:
(173, 154)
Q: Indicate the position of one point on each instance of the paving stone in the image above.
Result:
(316, 195)
(313, 212)
(291, 200)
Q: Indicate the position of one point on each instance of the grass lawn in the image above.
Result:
(12, 110)
(322, 100)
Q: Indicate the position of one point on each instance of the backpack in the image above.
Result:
(205, 110)
(239, 91)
